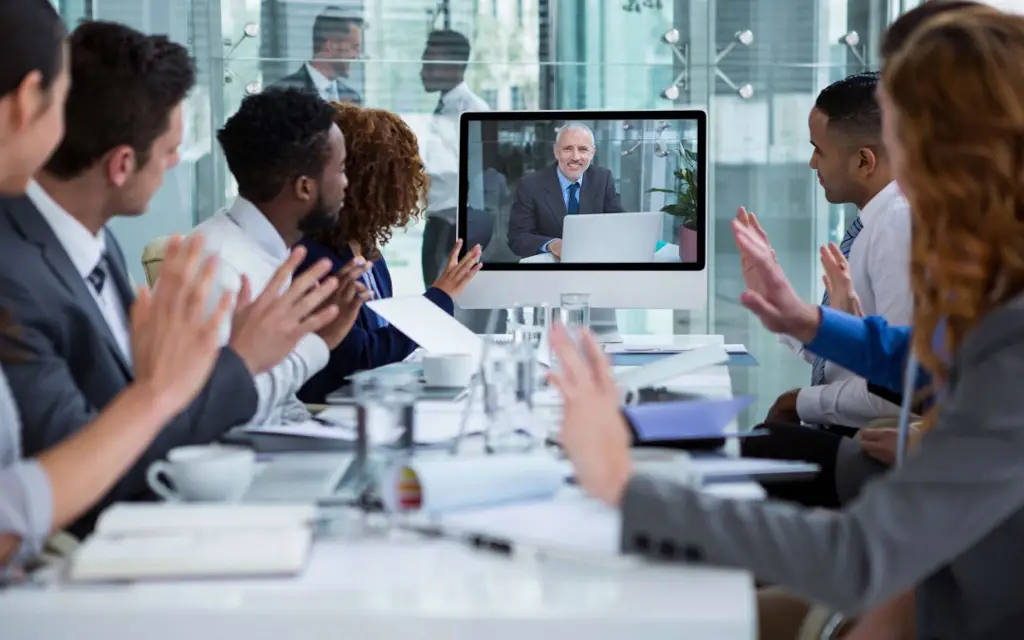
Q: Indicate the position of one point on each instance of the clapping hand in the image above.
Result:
(457, 273)
(349, 299)
(750, 275)
(839, 282)
(175, 343)
(594, 435)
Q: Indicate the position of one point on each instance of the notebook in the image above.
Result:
(179, 541)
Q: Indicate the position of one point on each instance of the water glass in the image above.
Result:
(529, 323)
(508, 382)
(574, 312)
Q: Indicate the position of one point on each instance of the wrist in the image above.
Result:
(150, 401)
(806, 323)
(244, 358)
(617, 481)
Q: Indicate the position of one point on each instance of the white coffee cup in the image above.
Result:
(203, 473)
(448, 369)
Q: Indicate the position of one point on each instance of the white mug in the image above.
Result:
(203, 473)
(448, 370)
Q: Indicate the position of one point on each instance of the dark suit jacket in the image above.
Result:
(300, 80)
(72, 367)
(367, 345)
(539, 207)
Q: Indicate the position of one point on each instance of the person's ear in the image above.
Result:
(304, 189)
(27, 100)
(867, 160)
(121, 164)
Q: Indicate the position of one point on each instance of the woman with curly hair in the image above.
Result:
(387, 189)
(949, 521)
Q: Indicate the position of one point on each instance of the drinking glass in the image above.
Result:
(574, 312)
(529, 323)
(508, 382)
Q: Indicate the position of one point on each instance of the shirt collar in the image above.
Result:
(565, 182)
(456, 94)
(256, 226)
(83, 248)
(320, 81)
(882, 200)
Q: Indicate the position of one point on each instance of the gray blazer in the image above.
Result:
(950, 520)
(300, 79)
(73, 367)
(539, 207)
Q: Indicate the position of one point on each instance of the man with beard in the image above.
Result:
(288, 158)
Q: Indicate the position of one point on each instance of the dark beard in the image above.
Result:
(318, 219)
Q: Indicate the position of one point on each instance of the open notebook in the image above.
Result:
(165, 541)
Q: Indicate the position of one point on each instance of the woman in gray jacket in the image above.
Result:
(950, 521)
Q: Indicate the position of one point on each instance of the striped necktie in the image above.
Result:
(818, 367)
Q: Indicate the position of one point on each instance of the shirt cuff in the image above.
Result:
(314, 352)
(808, 404)
(27, 494)
(835, 330)
(545, 248)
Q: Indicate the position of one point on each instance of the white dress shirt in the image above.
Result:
(85, 251)
(329, 90)
(441, 151)
(880, 268)
(245, 243)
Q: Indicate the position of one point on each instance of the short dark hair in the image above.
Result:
(852, 106)
(330, 24)
(452, 45)
(124, 85)
(276, 136)
(31, 39)
(900, 31)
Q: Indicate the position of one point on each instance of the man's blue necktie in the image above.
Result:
(573, 206)
(818, 367)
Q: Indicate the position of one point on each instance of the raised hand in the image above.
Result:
(348, 299)
(457, 273)
(839, 282)
(265, 330)
(594, 435)
(749, 220)
(769, 294)
(175, 343)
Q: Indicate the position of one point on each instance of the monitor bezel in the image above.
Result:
(698, 115)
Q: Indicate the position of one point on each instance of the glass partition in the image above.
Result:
(755, 66)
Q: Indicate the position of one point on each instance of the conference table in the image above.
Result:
(366, 582)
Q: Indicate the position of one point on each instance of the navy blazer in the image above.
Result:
(367, 345)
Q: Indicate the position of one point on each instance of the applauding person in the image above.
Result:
(387, 188)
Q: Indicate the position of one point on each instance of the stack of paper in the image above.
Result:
(161, 541)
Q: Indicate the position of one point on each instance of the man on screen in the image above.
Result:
(572, 187)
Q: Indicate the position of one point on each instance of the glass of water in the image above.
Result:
(574, 312)
(529, 323)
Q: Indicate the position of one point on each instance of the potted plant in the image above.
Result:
(685, 207)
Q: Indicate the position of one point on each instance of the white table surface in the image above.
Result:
(360, 586)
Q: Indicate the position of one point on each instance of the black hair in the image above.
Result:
(900, 31)
(31, 39)
(451, 45)
(124, 86)
(330, 24)
(274, 137)
(852, 106)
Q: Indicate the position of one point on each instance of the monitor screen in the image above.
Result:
(580, 190)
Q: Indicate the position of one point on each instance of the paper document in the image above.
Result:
(428, 325)
(448, 483)
(670, 367)
(689, 419)
(309, 429)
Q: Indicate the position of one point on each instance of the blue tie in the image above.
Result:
(818, 367)
(573, 205)
(98, 276)
(371, 284)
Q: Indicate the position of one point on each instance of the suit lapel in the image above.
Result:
(37, 231)
(119, 272)
(554, 200)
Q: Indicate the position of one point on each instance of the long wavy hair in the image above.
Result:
(956, 89)
(387, 181)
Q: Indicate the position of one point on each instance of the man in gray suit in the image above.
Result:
(337, 40)
(573, 186)
(62, 274)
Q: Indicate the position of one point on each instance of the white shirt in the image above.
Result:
(85, 250)
(441, 151)
(880, 268)
(329, 90)
(246, 243)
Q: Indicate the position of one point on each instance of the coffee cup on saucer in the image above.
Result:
(448, 370)
(203, 473)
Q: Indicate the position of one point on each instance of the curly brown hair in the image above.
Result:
(387, 181)
(955, 120)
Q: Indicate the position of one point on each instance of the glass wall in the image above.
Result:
(755, 66)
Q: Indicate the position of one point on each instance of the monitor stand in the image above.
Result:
(605, 326)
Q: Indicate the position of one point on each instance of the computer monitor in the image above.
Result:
(607, 203)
